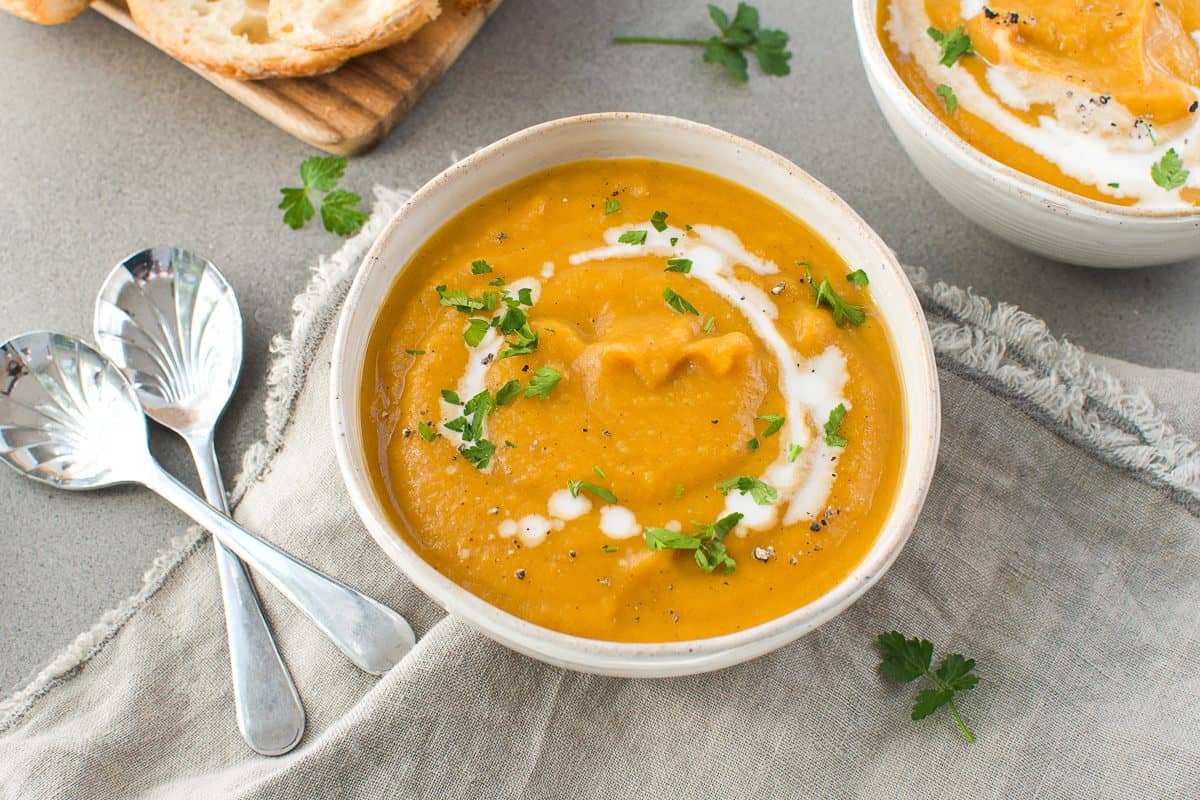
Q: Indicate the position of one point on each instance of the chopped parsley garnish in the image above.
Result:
(476, 329)
(737, 36)
(794, 451)
(451, 397)
(859, 278)
(774, 423)
(752, 444)
(709, 324)
(543, 382)
(575, 487)
(458, 298)
(674, 240)
(610, 548)
(659, 220)
(1114, 185)
(905, 660)
(947, 93)
(954, 44)
(677, 302)
(679, 489)
(479, 454)
(414, 352)
(764, 494)
(525, 296)
(1169, 172)
(600, 473)
(842, 311)
(507, 443)
(496, 281)
(479, 267)
(338, 207)
(611, 205)
(707, 543)
(632, 237)
(833, 427)
(683, 265)
(427, 433)
(508, 392)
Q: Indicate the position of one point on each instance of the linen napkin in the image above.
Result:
(1059, 547)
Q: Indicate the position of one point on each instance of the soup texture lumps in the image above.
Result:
(609, 400)
(1100, 98)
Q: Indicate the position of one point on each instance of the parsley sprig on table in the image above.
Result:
(707, 543)
(738, 35)
(339, 212)
(905, 660)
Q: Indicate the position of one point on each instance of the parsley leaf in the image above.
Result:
(480, 267)
(947, 93)
(426, 431)
(297, 208)
(543, 382)
(842, 311)
(479, 454)
(451, 397)
(683, 265)
(678, 302)
(709, 324)
(476, 329)
(575, 487)
(794, 451)
(659, 220)
(905, 660)
(954, 44)
(632, 237)
(338, 212)
(508, 392)
(611, 206)
(859, 278)
(737, 36)
(458, 298)
(833, 427)
(610, 548)
(764, 494)
(413, 352)
(774, 423)
(707, 543)
(1169, 172)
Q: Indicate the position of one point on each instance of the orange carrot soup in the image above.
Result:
(1098, 97)
(635, 402)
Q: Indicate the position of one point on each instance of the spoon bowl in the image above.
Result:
(68, 415)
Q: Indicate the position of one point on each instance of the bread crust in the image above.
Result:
(45, 12)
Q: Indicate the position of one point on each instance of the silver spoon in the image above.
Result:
(170, 320)
(70, 418)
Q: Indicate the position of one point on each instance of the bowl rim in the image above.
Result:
(1053, 197)
(635, 659)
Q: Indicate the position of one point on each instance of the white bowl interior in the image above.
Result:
(680, 142)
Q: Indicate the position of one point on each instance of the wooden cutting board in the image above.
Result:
(352, 109)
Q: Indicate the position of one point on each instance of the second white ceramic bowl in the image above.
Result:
(1024, 210)
(680, 142)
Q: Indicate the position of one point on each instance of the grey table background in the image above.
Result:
(109, 146)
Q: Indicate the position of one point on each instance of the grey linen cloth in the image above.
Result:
(1059, 547)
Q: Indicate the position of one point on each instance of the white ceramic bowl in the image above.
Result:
(680, 142)
(1024, 210)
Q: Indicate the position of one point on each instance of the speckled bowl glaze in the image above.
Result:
(677, 141)
(1028, 212)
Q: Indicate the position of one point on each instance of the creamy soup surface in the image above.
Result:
(607, 399)
(1098, 97)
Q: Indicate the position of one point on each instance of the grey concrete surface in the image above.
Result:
(109, 145)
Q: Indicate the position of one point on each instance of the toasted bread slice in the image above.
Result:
(359, 24)
(45, 12)
(230, 38)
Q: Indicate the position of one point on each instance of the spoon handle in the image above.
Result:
(371, 635)
(269, 712)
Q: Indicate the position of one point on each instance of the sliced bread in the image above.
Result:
(359, 24)
(45, 12)
(230, 38)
